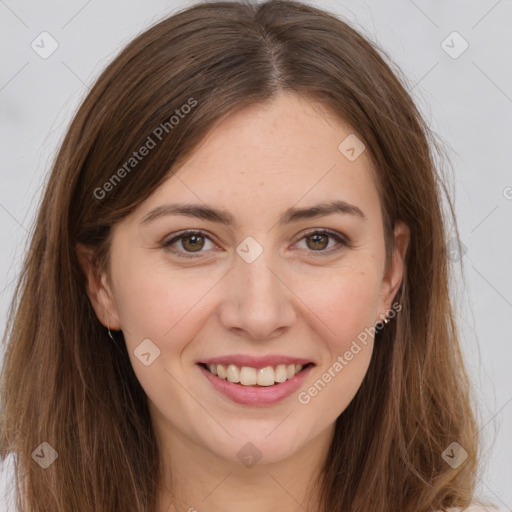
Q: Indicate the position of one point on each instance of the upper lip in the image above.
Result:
(255, 361)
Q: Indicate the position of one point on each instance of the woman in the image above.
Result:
(236, 295)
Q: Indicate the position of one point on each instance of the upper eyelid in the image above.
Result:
(181, 234)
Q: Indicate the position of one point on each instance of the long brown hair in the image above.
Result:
(64, 384)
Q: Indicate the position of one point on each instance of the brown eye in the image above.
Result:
(191, 242)
(319, 241)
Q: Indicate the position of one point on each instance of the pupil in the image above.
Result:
(194, 239)
(316, 242)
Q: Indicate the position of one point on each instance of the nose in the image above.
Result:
(258, 304)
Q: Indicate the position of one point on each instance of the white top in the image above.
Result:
(7, 485)
(7, 502)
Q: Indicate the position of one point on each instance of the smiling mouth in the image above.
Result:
(249, 376)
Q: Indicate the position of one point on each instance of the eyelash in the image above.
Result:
(343, 243)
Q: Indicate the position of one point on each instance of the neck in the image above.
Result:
(195, 479)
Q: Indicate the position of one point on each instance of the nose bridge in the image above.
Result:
(259, 300)
(253, 269)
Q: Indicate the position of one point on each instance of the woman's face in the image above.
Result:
(282, 283)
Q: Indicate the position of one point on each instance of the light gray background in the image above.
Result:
(467, 101)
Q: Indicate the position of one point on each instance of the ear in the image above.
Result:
(98, 289)
(394, 274)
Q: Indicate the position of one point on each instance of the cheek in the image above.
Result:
(345, 302)
(158, 302)
(345, 306)
(164, 307)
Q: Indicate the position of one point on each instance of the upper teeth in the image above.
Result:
(248, 376)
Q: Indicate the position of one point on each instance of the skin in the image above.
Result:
(294, 299)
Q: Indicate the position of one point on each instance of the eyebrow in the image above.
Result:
(223, 216)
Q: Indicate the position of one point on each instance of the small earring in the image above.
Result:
(384, 321)
(381, 323)
(110, 334)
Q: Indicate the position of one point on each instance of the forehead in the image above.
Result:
(270, 156)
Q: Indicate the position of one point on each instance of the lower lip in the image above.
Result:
(256, 395)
